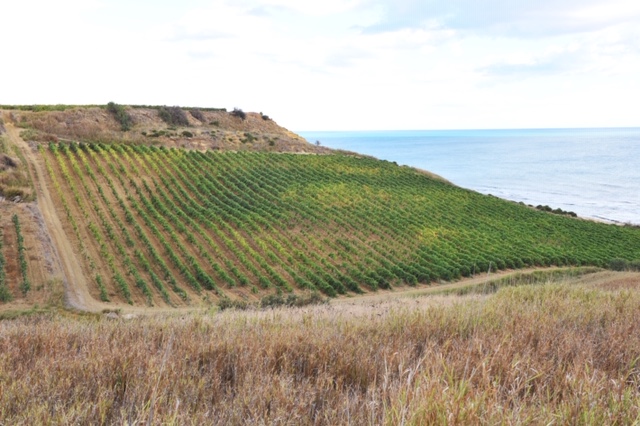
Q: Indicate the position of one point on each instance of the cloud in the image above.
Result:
(514, 18)
(184, 33)
(312, 8)
(558, 62)
(346, 57)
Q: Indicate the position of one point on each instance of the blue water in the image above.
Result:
(592, 172)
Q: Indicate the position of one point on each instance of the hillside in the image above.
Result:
(193, 128)
(138, 221)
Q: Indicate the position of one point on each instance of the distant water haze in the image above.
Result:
(592, 172)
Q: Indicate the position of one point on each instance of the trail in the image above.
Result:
(479, 279)
(75, 283)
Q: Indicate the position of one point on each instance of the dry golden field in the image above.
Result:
(553, 353)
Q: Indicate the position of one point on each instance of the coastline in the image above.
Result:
(561, 168)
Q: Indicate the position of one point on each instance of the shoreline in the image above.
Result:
(561, 168)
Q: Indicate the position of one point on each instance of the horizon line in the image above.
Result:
(470, 129)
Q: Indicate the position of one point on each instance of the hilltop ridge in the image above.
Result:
(170, 126)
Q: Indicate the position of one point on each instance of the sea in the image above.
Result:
(594, 173)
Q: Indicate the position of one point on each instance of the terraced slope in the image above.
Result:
(157, 226)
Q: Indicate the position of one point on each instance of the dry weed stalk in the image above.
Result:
(526, 355)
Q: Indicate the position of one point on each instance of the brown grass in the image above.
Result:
(536, 354)
(14, 176)
(217, 130)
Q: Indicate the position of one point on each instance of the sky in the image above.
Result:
(335, 64)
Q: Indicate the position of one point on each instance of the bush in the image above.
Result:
(173, 116)
(556, 211)
(264, 117)
(618, 264)
(187, 134)
(292, 300)
(226, 303)
(121, 115)
(248, 137)
(237, 112)
(198, 115)
(624, 265)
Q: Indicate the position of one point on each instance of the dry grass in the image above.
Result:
(14, 177)
(538, 354)
(213, 129)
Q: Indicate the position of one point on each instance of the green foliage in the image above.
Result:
(556, 211)
(5, 294)
(248, 137)
(174, 116)
(292, 300)
(41, 108)
(25, 286)
(158, 107)
(103, 290)
(121, 115)
(187, 134)
(520, 279)
(618, 264)
(332, 224)
(226, 303)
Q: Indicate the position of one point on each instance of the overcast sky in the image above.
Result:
(335, 64)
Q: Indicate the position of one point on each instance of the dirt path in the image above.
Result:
(479, 279)
(75, 283)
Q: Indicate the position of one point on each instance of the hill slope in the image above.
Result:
(158, 226)
(166, 226)
(192, 128)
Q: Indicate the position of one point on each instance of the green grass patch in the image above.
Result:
(520, 279)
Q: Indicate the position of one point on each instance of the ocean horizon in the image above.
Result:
(590, 171)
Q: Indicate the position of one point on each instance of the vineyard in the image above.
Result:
(170, 227)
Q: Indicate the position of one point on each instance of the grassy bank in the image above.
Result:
(550, 353)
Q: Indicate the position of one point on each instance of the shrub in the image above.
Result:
(226, 303)
(215, 123)
(556, 211)
(173, 116)
(121, 115)
(292, 300)
(187, 134)
(624, 265)
(237, 112)
(264, 117)
(197, 114)
(248, 137)
(618, 264)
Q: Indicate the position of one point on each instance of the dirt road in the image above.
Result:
(405, 292)
(75, 283)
